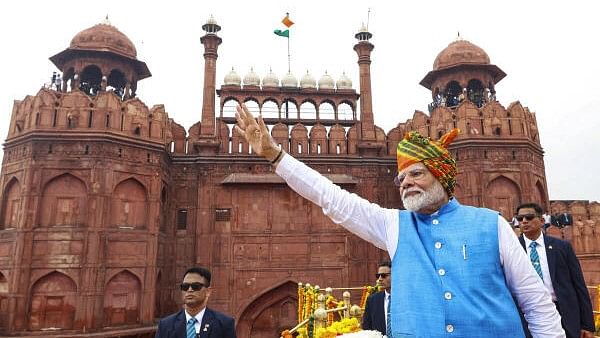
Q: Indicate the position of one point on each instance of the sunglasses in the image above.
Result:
(382, 275)
(528, 217)
(196, 286)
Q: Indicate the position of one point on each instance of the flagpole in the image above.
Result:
(289, 58)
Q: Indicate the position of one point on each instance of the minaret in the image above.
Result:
(208, 142)
(363, 48)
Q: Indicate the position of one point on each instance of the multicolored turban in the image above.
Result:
(435, 156)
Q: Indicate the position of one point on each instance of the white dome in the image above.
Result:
(344, 82)
(326, 82)
(289, 81)
(270, 80)
(232, 79)
(308, 81)
(251, 79)
(211, 20)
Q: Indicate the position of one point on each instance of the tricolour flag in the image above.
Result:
(286, 21)
(285, 33)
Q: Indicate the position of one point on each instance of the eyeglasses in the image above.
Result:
(382, 275)
(527, 217)
(415, 175)
(196, 286)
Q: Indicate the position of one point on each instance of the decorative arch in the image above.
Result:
(11, 199)
(117, 80)
(129, 205)
(326, 110)
(337, 140)
(269, 108)
(253, 105)
(289, 108)
(122, 299)
(502, 194)
(475, 92)
(452, 93)
(90, 80)
(345, 111)
(318, 139)
(270, 313)
(299, 140)
(308, 110)
(52, 302)
(64, 202)
(228, 107)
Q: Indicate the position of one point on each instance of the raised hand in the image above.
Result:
(256, 133)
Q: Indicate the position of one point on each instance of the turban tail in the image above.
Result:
(435, 156)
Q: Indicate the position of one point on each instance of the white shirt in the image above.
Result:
(547, 218)
(541, 250)
(381, 227)
(198, 317)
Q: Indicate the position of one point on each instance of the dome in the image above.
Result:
(104, 37)
(232, 78)
(344, 82)
(270, 80)
(289, 81)
(308, 81)
(460, 52)
(251, 79)
(326, 82)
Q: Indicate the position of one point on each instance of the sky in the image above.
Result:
(549, 50)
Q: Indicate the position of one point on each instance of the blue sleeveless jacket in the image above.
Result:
(447, 280)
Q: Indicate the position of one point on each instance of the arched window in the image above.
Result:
(289, 109)
(475, 92)
(229, 108)
(452, 93)
(10, 205)
(91, 77)
(345, 112)
(129, 205)
(64, 202)
(52, 302)
(270, 110)
(122, 300)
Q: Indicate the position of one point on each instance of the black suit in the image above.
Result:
(572, 297)
(565, 219)
(214, 325)
(374, 317)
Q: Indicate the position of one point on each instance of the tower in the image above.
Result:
(367, 140)
(207, 142)
(499, 154)
(86, 177)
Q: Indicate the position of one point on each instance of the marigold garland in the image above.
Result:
(346, 325)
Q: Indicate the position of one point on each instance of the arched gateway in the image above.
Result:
(272, 311)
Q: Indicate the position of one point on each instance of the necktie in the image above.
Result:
(191, 328)
(535, 259)
(388, 322)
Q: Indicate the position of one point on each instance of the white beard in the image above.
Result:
(432, 196)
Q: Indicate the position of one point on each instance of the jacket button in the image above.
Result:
(448, 295)
(435, 222)
(441, 272)
(449, 328)
(438, 245)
